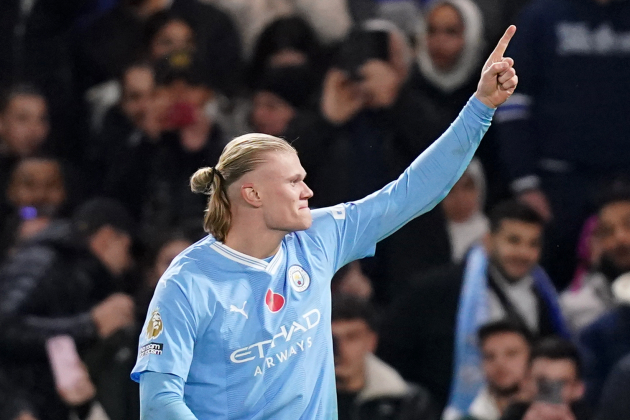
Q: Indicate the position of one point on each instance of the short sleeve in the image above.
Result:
(167, 339)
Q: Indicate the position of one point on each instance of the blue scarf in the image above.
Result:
(472, 313)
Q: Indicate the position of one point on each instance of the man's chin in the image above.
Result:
(505, 391)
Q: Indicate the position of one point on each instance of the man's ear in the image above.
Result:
(250, 195)
(579, 390)
(372, 341)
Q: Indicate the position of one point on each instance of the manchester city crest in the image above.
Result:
(298, 278)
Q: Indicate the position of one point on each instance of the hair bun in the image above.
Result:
(201, 181)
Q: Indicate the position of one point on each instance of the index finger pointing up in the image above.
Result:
(499, 50)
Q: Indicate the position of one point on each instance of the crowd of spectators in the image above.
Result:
(508, 300)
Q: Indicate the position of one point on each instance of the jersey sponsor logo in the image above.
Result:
(239, 310)
(293, 334)
(155, 325)
(274, 301)
(299, 278)
(151, 348)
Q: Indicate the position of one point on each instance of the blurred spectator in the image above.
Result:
(36, 194)
(362, 119)
(463, 208)
(115, 40)
(505, 349)
(606, 341)
(285, 42)
(151, 178)
(23, 126)
(437, 318)
(280, 102)
(367, 388)
(164, 33)
(449, 55)
(159, 256)
(35, 48)
(331, 19)
(560, 133)
(557, 386)
(588, 253)
(615, 404)
(583, 305)
(66, 281)
(351, 280)
(127, 123)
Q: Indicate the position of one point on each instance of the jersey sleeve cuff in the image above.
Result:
(481, 110)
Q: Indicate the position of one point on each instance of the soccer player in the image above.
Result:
(239, 326)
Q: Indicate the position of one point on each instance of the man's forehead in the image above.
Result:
(516, 225)
(282, 164)
(615, 209)
(349, 325)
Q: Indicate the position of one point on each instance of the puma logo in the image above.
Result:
(239, 310)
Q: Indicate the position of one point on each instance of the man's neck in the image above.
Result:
(354, 384)
(497, 274)
(258, 242)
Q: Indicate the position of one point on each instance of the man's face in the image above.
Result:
(505, 362)
(614, 234)
(271, 114)
(117, 256)
(279, 182)
(174, 36)
(138, 87)
(462, 202)
(353, 341)
(24, 124)
(37, 183)
(515, 247)
(559, 370)
(445, 37)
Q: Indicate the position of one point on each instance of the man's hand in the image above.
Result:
(498, 77)
(81, 391)
(113, 313)
(342, 98)
(380, 83)
(545, 411)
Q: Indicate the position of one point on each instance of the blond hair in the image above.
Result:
(240, 156)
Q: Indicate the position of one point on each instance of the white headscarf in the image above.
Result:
(471, 54)
(464, 234)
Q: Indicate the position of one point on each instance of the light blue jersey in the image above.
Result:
(252, 338)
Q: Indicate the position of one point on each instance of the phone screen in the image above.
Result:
(550, 391)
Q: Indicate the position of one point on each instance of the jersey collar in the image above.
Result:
(270, 267)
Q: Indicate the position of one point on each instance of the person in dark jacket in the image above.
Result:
(368, 388)
(151, 176)
(560, 146)
(615, 404)
(24, 126)
(65, 281)
(604, 343)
